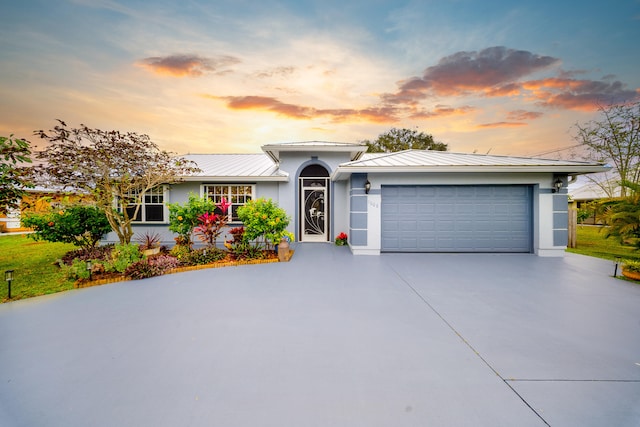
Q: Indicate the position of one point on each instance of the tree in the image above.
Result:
(117, 169)
(403, 139)
(13, 177)
(81, 225)
(614, 139)
(623, 215)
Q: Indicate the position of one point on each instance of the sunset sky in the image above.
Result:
(198, 76)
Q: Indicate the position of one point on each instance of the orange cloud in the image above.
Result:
(186, 65)
(498, 72)
(443, 110)
(511, 89)
(584, 95)
(270, 104)
(500, 125)
(265, 103)
(520, 115)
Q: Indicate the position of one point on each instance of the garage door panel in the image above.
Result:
(445, 208)
(427, 226)
(457, 218)
(445, 226)
(426, 208)
(408, 226)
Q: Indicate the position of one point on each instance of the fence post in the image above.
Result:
(573, 225)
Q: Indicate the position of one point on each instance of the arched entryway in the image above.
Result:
(314, 204)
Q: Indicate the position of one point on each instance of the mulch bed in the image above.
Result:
(104, 278)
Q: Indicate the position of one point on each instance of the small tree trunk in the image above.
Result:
(573, 226)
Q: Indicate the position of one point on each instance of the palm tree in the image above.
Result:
(623, 215)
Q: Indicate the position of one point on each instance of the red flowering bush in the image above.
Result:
(211, 224)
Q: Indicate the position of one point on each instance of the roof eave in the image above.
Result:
(236, 178)
(273, 150)
(343, 172)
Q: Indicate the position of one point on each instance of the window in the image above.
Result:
(237, 195)
(152, 208)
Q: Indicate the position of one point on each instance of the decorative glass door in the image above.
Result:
(314, 210)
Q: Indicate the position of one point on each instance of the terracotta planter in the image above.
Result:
(283, 251)
(152, 251)
(634, 275)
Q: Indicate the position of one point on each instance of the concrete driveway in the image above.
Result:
(329, 339)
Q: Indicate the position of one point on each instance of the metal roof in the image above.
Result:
(236, 167)
(445, 161)
(264, 167)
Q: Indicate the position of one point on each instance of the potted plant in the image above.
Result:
(631, 269)
(149, 243)
(341, 239)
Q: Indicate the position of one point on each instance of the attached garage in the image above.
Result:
(456, 218)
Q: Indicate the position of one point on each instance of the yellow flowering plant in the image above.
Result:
(264, 222)
(183, 218)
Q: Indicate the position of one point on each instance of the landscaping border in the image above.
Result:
(80, 284)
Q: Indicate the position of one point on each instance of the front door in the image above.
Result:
(314, 205)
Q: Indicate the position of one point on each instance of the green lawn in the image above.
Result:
(33, 265)
(591, 242)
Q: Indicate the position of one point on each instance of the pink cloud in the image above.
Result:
(500, 125)
(584, 95)
(521, 115)
(465, 72)
(442, 111)
(264, 103)
(182, 65)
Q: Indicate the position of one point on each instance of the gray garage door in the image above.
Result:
(452, 218)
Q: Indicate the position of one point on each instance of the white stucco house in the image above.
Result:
(408, 201)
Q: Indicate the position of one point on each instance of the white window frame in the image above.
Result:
(228, 194)
(165, 210)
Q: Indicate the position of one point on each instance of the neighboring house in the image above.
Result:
(581, 194)
(38, 199)
(409, 201)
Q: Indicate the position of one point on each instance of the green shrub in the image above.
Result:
(263, 221)
(582, 215)
(180, 252)
(203, 256)
(77, 270)
(631, 265)
(81, 225)
(122, 256)
(246, 250)
(184, 218)
(100, 253)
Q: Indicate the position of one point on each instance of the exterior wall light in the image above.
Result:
(8, 276)
(557, 186)
(367, 187)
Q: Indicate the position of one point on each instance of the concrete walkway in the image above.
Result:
(330, 339)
